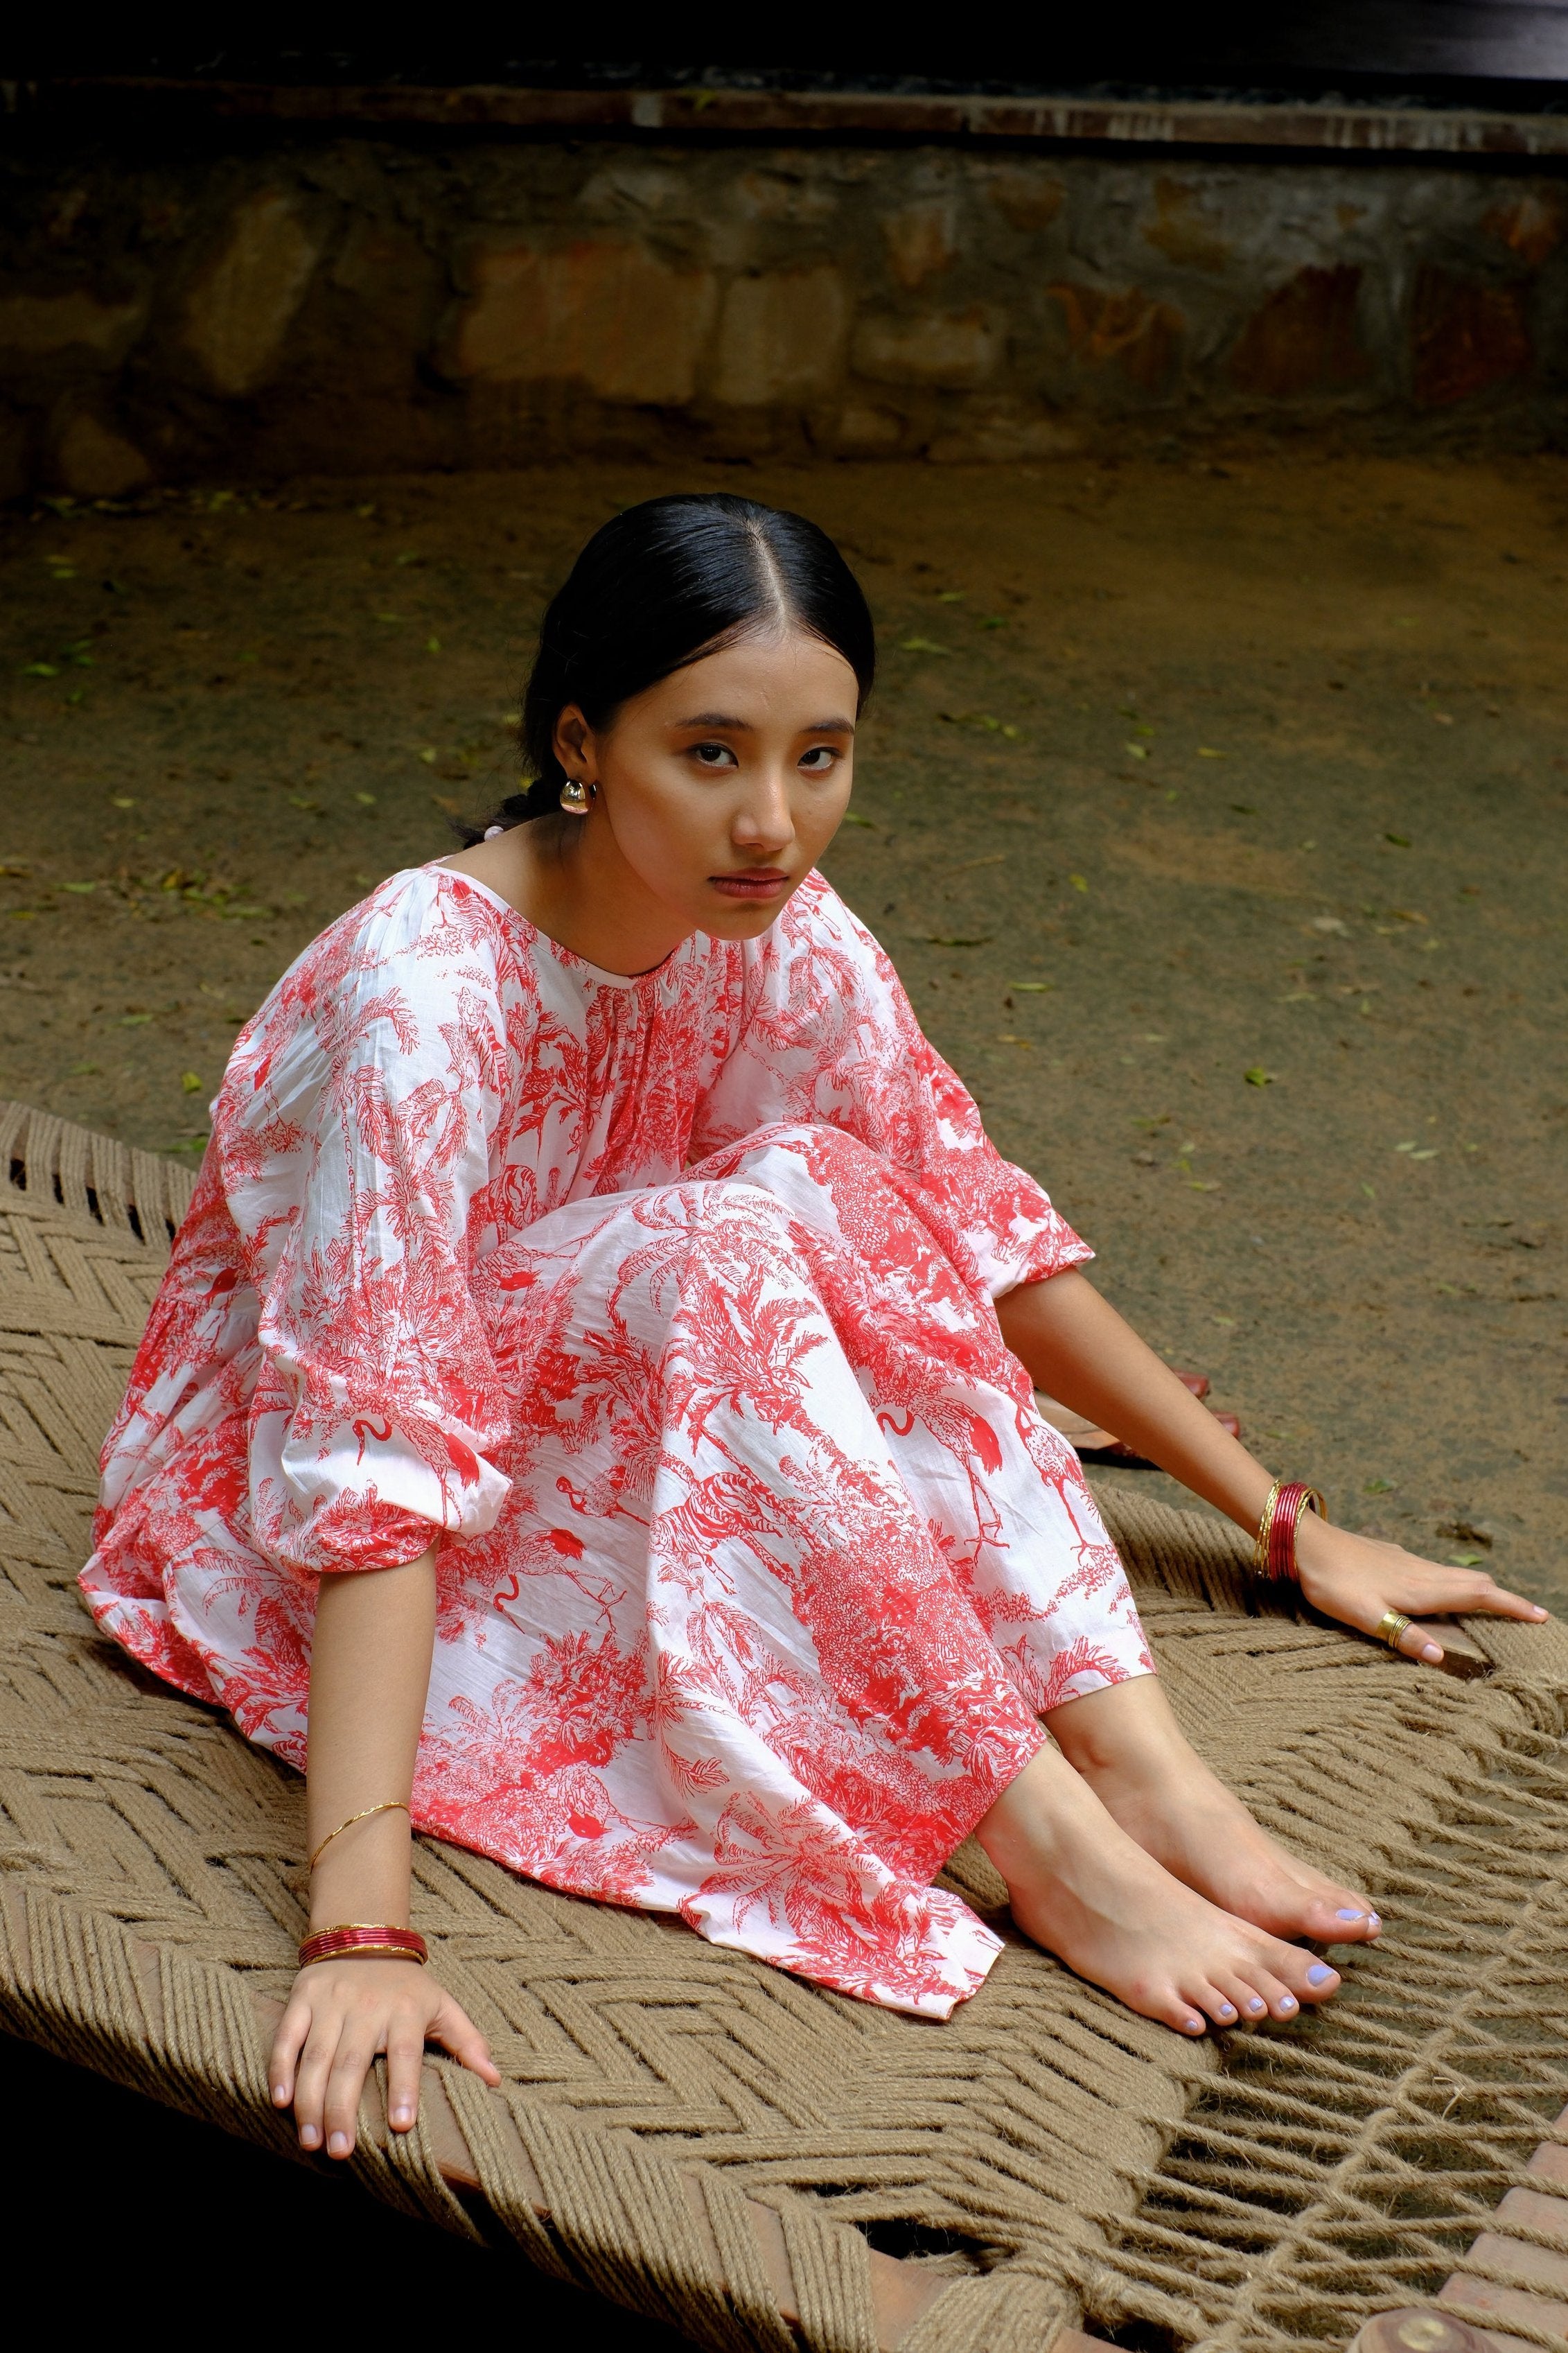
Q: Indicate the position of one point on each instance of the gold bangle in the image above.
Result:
(387, 1806)
(1264, 1528)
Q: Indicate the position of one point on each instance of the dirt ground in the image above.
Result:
(1213, 815)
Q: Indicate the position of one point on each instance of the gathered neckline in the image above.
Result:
(596, 973)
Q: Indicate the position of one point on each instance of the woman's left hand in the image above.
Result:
(1357, 1579)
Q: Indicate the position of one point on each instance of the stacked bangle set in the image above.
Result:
(1274, 1548)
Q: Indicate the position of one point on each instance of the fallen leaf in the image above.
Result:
(1207, 752)
(1136, 751)
(1377, 1487)
(1329, 923)
(190, 1083)
(1204, 1184)
(365, 800)
(953, 940)
(1466, 1561)
(920, 646)
(1033, 986)
(1078, 881)
(1258, 1076)
(850, 817)
(134, 1020)
(432, 645)
(997, 858)
(121, 800)
(80, 889)
(40, 670)
(1400, 840)
(952, 596)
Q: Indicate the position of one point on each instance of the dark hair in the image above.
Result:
(657, 588)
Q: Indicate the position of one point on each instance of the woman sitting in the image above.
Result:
(593, 1393)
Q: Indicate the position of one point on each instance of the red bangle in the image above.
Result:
(356, 1940)
(1275, 1556)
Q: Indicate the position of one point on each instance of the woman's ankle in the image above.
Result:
(1121, 1727)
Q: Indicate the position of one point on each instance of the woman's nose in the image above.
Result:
(765, 821)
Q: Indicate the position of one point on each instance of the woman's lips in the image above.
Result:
(767, 884)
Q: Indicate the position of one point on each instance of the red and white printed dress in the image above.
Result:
(663, 1306)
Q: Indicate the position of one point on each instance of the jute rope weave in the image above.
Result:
(1044, 2156)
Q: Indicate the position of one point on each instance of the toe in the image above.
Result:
(1247, 2004)
(1340, 1918)
(1277, 1998)
(1301, 1973)
(1217, 2005)
(1173, 2007)
(1321, 1982)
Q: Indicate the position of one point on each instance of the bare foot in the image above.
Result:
(1131, 1750)
(1088, 1892)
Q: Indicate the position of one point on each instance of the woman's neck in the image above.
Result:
(574, 885)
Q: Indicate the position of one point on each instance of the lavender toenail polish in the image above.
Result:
(1227, 2010)
(1287, 2001)
(1319, 1974)
(1256, 2004)
(1347, 1916)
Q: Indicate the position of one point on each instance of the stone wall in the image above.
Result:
(345, 302)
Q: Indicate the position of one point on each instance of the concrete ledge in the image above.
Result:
(855, 115)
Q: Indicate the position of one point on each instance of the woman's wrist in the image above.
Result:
(366, 1874)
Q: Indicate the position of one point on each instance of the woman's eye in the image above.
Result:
(818, 762)
(713, 756)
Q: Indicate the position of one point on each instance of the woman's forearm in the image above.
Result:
(369, 1672)
(1078, 1349)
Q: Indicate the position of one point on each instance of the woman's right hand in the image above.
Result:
(340, 2016)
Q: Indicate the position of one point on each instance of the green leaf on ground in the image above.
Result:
(1258, 1076)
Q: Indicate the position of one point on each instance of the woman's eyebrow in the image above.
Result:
(744, 727)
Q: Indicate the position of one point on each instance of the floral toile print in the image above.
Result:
(662, 1307)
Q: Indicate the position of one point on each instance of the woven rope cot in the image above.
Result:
(719, 2146)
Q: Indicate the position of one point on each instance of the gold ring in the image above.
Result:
(1390, 1627)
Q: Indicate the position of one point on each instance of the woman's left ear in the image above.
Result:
(574, 736)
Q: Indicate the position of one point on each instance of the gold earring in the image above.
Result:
(574, 794)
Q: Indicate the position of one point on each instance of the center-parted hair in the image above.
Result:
(655, 589)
